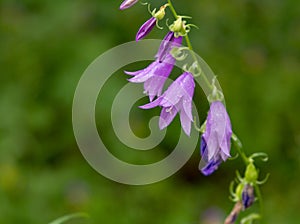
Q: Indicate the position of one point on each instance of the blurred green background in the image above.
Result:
(254, 48)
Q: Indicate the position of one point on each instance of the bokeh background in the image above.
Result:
(254, 48)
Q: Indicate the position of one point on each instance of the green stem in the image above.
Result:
(261, 205)
(189, 44)
(238, 146)
(172, 9)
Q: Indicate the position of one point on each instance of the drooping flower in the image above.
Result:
(127, 4)
(176, 99)
(155, 75)
(215, 141)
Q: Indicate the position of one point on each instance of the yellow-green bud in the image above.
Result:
(251, 173)
(160, 14)
(178, 26)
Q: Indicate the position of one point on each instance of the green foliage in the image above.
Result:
(253, 47)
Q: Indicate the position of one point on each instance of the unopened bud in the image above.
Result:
(251, 173)
(127, 4)
(248, 196)
(178, 26)
(160, 14)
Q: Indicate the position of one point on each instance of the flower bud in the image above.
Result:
(127, 4)
(160, 14)
(177, 26)
(251, 174)
(145, 28)
(248, 196)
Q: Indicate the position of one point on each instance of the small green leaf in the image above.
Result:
(69, 217)
(250, 218)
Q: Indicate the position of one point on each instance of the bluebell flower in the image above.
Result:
(215, 141)
(176, 99)
(153, 76)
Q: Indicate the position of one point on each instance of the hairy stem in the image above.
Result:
(238, 146)
(189, 44)
(172, 9)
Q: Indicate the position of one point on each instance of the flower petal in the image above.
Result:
(172, 95)
(185, 122)
(155, 103)
(134, 73)
(212, 145)
(164, 45)
(154, 86)
(188, 84)
(211, 167)
(143, 71)
(203, 147)
(140, 78)
(187, 107)
(144, 74)
(166, 116)
(167, 44)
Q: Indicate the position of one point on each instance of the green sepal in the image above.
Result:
(251, 173)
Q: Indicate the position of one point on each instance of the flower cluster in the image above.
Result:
(216, 132)
(155, 75)
(178, 98)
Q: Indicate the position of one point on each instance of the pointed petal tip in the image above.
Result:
(122, 7)
(162, 125)
(211, 166)
(205, 173)
(185, 123)
(151, 104)
(151, 97)
(130, 73)
(127, 4)
(144, 107)
(138, 37)
(132, 80)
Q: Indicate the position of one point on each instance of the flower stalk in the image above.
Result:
(189, 44)
(216, 131)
